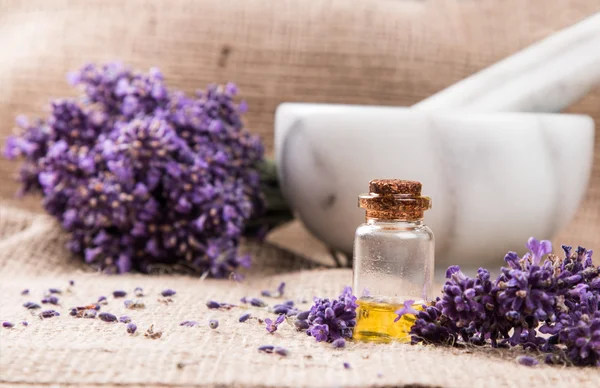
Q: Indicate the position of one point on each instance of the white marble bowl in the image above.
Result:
(494, 179)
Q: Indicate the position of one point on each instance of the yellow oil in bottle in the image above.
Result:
(375, 322)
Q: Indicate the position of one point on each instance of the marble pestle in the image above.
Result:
(545, 77)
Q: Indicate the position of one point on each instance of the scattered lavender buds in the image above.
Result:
(347, 365)
(138, 292)
(31, 305)
(273, 325)
(274, 294)
(245, 317)
(25, 292)
(142, 176)
(54, 291)
(559, 298)
(124, 319)
(25, 323)
(168, 292)
(189, 323)
(527, 361)
(266, 348)
(211, 304)
(131, 328)
(339, 343)
(49, 314)
(107, 317)
(50, 300)
(102, 300)
(8, 325)
(213, 324)
(330, 320)
(134, 305)
(119, 294)
(257, 302)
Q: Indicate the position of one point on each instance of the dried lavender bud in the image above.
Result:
(31, 305)
(244, 300)
(273, 325)
(7, 324)
(189, 323)
(25, 292)
(266, 348)
(133, 305)
(71, 283)
(301, 324)
(211, 304)
(527, 361)
(51, 300)
(131, 328)
(213, 323)
(139, 292)
(245, 317)
(124, 319)
(280, 309)
(347, 365)
(141, 176)
(257, 302)
(330, 320)
(49, 314)
(107, 317)
(281, 351)
(25, 323)
(168, 292)
(303, 315)
(102, 300)
(54, 291)
(339, 343)
(289, 303)
(266, 293)
(119, 294)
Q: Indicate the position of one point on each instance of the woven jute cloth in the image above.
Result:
(75, 351)
(385, 52)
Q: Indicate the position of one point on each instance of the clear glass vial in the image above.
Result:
(393, 259)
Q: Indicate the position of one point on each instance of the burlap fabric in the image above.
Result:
(388, 52)
(69, 351)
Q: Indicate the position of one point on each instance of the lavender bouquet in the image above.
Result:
(145, 178)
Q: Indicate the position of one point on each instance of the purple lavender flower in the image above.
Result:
(332, 319)
(138, 292)
(527, 361)
(213, 324)
(266, 348)
(347, 366)
(245, 317)
(119, 294)
(168, 292)
(406, 309)
(25, 292)
(107, 317)
(144, 177)
(131, 328)
(102, 300)
(49, 314)
(8, 325)
(31, 305)
(50, 300)
(281, 351)
(124, 319)
(25, 323)
(273, 325)
(339, 343)
(257, 302)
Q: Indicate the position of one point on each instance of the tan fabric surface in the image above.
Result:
(65, 350)
(388, 52)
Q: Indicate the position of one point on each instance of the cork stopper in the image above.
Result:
(394, 199)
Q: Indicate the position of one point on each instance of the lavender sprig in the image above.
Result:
(329, 320)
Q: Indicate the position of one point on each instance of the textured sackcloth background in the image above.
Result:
(68, 351)
(388, 52)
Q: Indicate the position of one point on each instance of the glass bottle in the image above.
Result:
(393, 259)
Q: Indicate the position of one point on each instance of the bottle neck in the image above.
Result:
(399, 222)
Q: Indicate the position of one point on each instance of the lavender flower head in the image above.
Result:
(144, 177)
(538, 293)
(329, 320)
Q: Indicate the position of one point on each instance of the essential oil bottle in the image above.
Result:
(393, 259)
